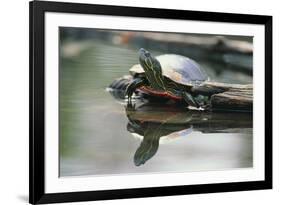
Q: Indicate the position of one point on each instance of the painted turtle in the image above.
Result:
(170, 76)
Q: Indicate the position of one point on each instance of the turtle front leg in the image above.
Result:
(190, 100)
(201, 96)
(138, 82)
(198, 101)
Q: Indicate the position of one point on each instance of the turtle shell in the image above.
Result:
(178, 68)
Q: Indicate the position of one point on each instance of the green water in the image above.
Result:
(95, 138)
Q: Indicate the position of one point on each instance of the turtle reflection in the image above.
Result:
(152, 126)
(154, 122)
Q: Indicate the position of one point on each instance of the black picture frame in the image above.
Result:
(37, 9)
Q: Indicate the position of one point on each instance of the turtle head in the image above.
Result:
(152, 69)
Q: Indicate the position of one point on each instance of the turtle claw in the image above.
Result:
(129, 93)
(203, 102)
(208, 107)
(138, 82)
(199, 102)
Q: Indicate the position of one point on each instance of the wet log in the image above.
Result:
(233, 97)
(236, 97)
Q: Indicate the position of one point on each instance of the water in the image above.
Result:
(99, 136)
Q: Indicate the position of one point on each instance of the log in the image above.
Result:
(236, 97)
(233, 97)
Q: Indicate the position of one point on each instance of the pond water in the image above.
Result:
(99, 136)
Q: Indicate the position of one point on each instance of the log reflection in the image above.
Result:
(155, 121)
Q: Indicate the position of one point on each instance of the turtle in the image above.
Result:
(170, 76)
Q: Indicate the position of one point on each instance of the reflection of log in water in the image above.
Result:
(153, 121)
(180, 117)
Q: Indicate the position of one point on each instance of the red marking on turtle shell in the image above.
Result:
(166, 94)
